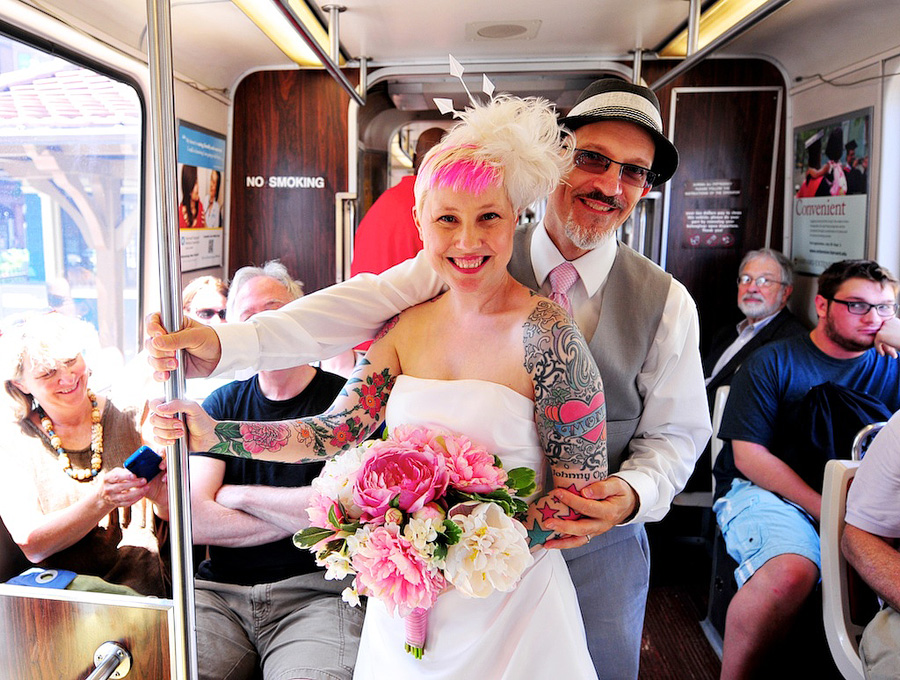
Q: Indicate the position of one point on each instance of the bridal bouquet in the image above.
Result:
(414, 513)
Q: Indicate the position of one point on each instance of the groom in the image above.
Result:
(641, 325)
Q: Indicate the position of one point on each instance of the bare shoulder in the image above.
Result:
(409, 319)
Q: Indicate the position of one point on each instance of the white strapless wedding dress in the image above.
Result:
(535, 631)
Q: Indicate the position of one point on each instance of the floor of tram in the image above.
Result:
(674, 646)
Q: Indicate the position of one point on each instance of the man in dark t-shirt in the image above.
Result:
(768, 482)
(261, 601)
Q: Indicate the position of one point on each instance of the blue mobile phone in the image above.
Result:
(144, 463)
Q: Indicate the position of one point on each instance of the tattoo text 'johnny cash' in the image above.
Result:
(568, 394)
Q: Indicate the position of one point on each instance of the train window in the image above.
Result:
(70, 200)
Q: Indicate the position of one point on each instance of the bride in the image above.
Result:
(487, 358)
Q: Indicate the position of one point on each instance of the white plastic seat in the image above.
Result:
(840, 630)
(704, 499)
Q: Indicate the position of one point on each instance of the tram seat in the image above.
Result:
(704, 499)
(848, 604)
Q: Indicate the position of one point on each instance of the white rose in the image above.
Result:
(491, 554)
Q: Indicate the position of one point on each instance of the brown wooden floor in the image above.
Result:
(674, 646)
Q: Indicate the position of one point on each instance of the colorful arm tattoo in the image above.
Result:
(570, 409)
(355, 413)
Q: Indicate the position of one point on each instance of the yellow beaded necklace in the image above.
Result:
(96, 443)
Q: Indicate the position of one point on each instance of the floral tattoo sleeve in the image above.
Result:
(356, 412)
(570, 409)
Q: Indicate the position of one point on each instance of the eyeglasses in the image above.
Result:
(760, 281)
(596, 164)
(207, 314)
(860, 308)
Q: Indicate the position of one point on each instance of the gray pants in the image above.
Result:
(612, 576)
(295, 628)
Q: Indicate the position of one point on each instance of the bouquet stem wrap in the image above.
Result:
(416, 630)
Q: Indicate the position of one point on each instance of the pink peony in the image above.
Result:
(262, 437)
(431, 511)
(418, 437)
(390, 569)
(471, 467)
(397, 470)
(319, 507)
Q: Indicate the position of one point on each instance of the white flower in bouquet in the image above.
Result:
(491, 554)
(335, 484)
(350, 596)
(337, 565)
(423, 533)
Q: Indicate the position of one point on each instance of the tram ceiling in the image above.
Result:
(214, 43)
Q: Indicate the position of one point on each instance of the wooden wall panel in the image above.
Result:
(54, 637)
(288, 124)
(723, 136)
(720, 151)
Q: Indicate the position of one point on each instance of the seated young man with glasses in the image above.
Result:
(764, 286)
(769, 501)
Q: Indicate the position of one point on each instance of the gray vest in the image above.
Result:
(636, 292)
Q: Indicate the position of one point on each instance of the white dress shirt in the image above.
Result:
(746, 332)
(674, 427)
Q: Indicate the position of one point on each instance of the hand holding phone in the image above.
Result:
(144, 463)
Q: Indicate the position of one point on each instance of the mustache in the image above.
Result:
(611, 201)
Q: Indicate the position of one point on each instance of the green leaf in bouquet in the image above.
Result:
(452, 531)
(501, 497)
(521, 480)
(440, 551)
(332, 516)
(307, 538)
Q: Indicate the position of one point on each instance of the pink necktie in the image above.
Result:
(562, 278)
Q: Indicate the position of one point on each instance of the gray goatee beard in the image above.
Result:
(583, 237)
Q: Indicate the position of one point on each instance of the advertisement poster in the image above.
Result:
(831, 201)
(201, 165)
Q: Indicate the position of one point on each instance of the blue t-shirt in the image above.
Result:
(243, 400)
(767, 392)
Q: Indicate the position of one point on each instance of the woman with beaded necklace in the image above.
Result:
(64, 496)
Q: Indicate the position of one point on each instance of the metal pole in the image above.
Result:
(637, 66)
(162, 136)
(693, 35)
(310, 40)
(334, 30)
(746, 24)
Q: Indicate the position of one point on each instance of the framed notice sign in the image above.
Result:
(831, 191)
(201, 165)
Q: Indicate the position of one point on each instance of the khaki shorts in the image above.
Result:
(295, 628)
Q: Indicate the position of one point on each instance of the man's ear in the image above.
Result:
(788, 290)
(645, 191)
(821, 307)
